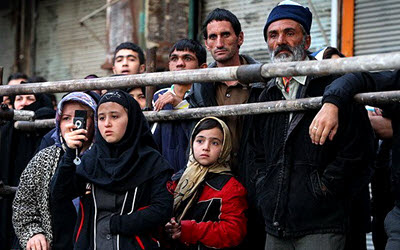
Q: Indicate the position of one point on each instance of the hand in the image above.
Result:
(74, 138)
(38, 242)
(173, 228)
(382, 126)
(167, 98)
(325, 124)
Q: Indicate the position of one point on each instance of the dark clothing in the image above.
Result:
(172, 138)
(17, 148)
(341, 92)
(146, 207)
(392, 227)
(217, 218)
(47, 140)
(303, 188)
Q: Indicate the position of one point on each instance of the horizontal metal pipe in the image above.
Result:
(6, 190)
(245, 73)
(372, 98)
(386, 61)
(17, 115)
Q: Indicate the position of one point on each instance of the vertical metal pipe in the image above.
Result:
(151, 59)
(1, 77)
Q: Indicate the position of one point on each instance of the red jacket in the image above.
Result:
(218, 219)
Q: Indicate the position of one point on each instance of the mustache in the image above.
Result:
(282, 48)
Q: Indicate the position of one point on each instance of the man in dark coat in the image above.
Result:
(303, 190)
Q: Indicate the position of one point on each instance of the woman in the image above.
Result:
(17, 149)
(32, 218)
(126, 198)
(209, 203)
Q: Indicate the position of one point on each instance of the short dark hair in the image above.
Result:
(133, 47)
(205, 125)
(192, 46)
(37, 79)
(17, 75)
(221, 15)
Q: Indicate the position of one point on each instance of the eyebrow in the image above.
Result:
(125, 56)
(213, 138)
(186, 54)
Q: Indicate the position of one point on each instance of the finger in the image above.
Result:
(28, 245)
(37, 245)
(333, 132)
(324, 134)
(43, 244)
(312, 131)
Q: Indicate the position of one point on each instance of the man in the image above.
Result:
(303, 190)
(13, 79)
(129, 60)
(172, 137)
(223, 37)
(326, 124)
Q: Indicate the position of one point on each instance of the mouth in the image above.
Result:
(126, 72)
(220, 51)
(108, 132)
(204, 155)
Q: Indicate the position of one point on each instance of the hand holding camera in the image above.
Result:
(77, 135)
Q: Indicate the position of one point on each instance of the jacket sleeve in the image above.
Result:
(27, 219)
(156, 214)
(229, 231)
(65, 183)
(341, 91)
(350, 170)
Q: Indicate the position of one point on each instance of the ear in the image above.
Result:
(240, 38)
(203, 66)
(308, 42)
(142, 68)
(113, 69)
(206, 44)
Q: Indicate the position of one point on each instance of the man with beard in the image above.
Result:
(304, 190)
(223, 37)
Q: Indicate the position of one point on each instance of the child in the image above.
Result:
(209, 203)
(126, 198)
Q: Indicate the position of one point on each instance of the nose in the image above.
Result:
(125, 61)
(180, 63)
(281, 39)
(107, 123)
(206, 146)
(220, 42)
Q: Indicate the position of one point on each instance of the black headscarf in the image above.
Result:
(124, 165)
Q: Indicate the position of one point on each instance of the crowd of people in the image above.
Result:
(290, 180)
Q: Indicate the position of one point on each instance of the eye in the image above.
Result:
(199, 140)
(142, 97)
(212, 37)
(18, 98)
(174, 59)
(215, 143)
(101, 118)
(65, 118)
(188, 59)
(115, 116)
(226, 34)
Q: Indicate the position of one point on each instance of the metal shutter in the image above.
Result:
(253, 14)
(376, 26)
(64, 49)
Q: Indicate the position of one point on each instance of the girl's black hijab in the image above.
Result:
(124, 165)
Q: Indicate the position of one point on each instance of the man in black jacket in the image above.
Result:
(304, 190)
(338, 96)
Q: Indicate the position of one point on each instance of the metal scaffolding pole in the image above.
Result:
(245, 74)
(372, 98)
(16, 115)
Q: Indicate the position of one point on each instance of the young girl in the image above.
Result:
(126, 197)
(209, 203)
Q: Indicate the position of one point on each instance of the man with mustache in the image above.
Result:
(304, 190)
(223, 37)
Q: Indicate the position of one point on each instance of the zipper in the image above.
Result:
(95, 215)
(122, 210)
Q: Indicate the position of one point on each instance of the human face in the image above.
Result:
(67, 117)
(286, 41)
(127, 63)
(207, 146)
(138, 95)
(222, 42)
(181, 60)
(23, 100)
(112, 121)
